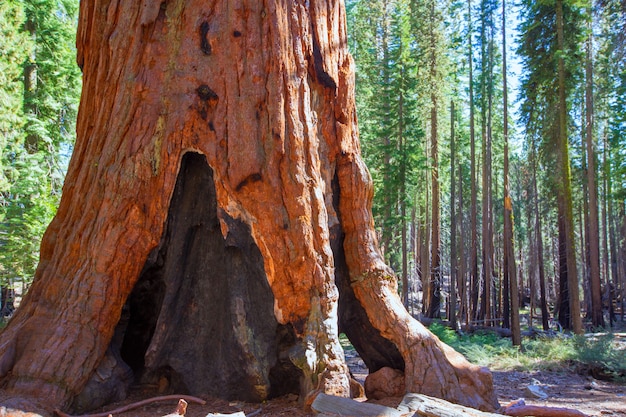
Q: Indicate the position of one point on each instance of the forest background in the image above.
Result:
(467, 207)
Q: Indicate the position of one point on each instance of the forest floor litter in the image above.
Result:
(563, 389)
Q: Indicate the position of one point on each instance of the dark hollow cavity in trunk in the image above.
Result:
(201, 318)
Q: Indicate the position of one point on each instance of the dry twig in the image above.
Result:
(138, 404)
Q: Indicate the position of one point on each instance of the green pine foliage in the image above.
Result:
(539, 52)
(387, 98)
(52, 105)
(40, 92)
(611, 76)
(13, 45)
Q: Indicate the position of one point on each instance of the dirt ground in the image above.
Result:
(570, 390)
(563, 389)
(592, 397)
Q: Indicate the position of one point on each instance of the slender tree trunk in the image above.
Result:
(521, 284)
(387, 230)
(489, 248)
(531, 269)
(464, 312)
(564, 306)
(474, 278)
(585, 249)
(605, 229)
(553, 280)
(509, 249)
(608, 229)
(583, 229)
(402, 203)
(405, 257)
(545, 314)
(415, 241)
(435, 240)
(612, 219)
(486, 82)
(597, 316)
(453, 221)
(218, 151)
(434, 308)
(425, 252)
(566, 217)
(620, 221)
(484, 301)
(487, 242)
(426, 281)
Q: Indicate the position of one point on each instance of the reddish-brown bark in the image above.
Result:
(263, 92)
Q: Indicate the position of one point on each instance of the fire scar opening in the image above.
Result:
(200, 319)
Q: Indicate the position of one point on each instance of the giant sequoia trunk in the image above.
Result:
(215, 230)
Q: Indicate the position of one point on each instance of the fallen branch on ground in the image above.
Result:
(138, 404)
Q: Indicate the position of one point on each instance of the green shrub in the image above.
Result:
(598, 355)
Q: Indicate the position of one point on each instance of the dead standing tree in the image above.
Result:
(215, 229)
